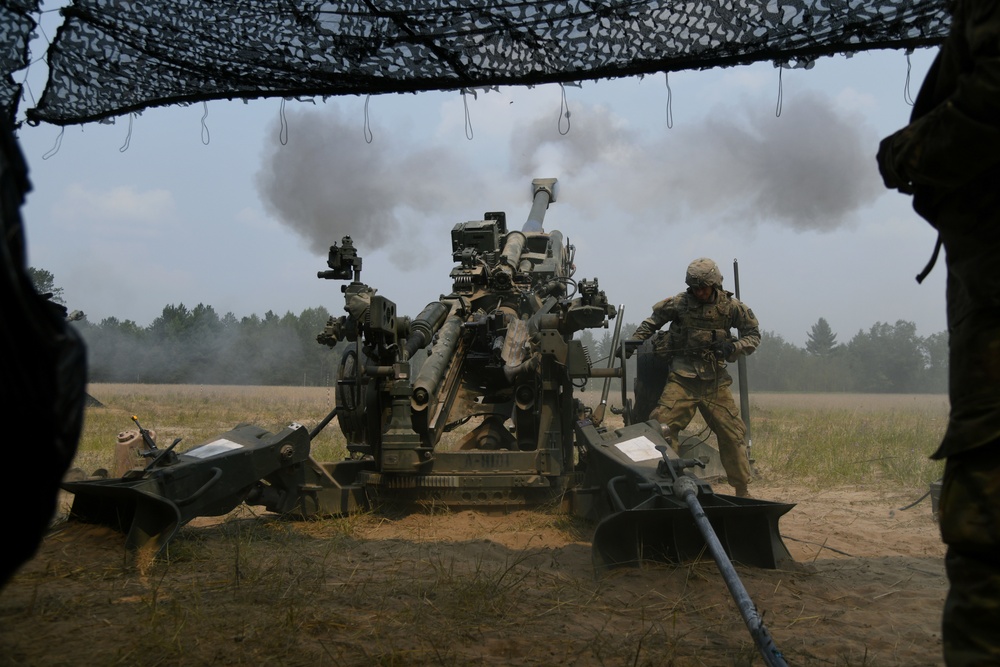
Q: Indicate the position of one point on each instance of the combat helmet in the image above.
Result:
(703, 271)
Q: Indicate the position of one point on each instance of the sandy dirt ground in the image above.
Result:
(463, 588)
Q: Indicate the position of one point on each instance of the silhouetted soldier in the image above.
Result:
(948, 158)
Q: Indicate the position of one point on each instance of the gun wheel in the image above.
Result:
(350, 407)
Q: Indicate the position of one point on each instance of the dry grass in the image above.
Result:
(815, 438)
(459, 588)
(825, 439)
(198, 413)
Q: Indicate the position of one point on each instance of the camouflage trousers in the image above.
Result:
(973, 296)
(969, 513)
(714, 400)
(969, 510)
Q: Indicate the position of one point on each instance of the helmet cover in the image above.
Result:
(703, 271)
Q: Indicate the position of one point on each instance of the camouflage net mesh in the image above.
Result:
(16, 26)
(113, 57)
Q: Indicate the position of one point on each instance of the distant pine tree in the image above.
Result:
(822, 341)
(45, 283)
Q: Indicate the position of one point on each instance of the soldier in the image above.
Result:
(948, 158)
(699, 343)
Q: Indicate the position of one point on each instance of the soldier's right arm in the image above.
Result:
(663, 312)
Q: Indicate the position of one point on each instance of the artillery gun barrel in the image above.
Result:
(543, 193)
(543, 190)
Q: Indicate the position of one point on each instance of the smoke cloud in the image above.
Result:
(328, 182)
(811, 168)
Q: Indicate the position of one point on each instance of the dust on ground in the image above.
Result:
(463, 588)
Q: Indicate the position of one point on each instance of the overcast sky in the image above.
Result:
(233, 212)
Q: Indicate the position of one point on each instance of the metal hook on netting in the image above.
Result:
(128, 137)
(57, 146)
(777, 107)
(369, 137)
(468, 119)
(906, 87)
(670, 101)
(563, 111)
(206, 136)
(283, 132)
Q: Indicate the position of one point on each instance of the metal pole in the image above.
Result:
(687, 490)
(615, 342)
(741, 365)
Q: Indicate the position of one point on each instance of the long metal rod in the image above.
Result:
(687, 490)
(615, 341)
(741, 365)
(626, 406)
(322, 424)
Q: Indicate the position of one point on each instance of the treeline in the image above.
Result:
(887, 358)
(197, 346)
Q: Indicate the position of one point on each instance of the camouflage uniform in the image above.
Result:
(698, 377)
(948, 157)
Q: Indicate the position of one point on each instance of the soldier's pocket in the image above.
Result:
(969, 510)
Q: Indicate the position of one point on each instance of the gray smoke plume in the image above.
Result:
(811, 168)
(327, 182)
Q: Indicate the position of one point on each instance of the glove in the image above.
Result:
(724, 350)
(892, 161)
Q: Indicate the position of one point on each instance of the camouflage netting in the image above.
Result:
(112, 57)
(16, 25)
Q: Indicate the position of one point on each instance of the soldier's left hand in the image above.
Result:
(624, 351)
(724, 350)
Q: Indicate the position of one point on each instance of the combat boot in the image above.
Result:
(742, 491)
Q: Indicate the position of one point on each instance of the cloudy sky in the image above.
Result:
(235, 205)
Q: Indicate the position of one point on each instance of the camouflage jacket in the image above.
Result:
(696, 328)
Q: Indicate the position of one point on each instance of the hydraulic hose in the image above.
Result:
(686, 489)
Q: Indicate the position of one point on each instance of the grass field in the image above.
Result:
(824, 439)
(813, 438)
(456, 588)
(198, 413)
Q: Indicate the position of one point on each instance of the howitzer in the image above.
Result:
(471, 404)
(495, 356)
